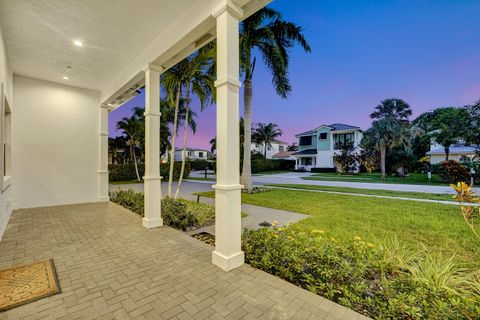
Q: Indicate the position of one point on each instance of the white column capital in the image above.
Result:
(155, 67)
(104, 106)
(227, 6)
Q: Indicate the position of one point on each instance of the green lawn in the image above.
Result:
(413, 178)
(440, 227)
(404, 194)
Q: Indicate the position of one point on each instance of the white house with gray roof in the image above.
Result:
(318, 147)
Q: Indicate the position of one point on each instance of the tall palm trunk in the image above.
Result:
(447, 153)
(265, 151)
(246, 178)
(172, 151)
(383, 151)
(132, 150)
(184, 151)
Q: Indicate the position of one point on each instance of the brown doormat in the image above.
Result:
(27, 283)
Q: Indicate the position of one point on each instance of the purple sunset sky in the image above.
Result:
(425, 52)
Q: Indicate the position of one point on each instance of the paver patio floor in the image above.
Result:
(110, 267)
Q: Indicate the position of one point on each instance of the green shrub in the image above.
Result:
(126, 172)
(266, 165)
(201, 165)
(180, 214)
(367, 279)
(129, 199)
(453, 172)
(323, 170)
(176, 215)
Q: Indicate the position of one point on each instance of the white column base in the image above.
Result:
(154, 223)
(104, 198)
(230, 262)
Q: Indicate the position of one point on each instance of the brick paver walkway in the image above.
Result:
(109, 267)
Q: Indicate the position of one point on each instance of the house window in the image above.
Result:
(342, 137)
(200, 154)
(307, 161)
(305, 141)
(465, 159)
(189, 153)
(6, 138)
(323, 136)
(281, 148)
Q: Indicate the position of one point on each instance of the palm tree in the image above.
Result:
(132, 128)
(189, 76)
(392, 108)
(266, 134)
(115, 145)
(213, 145)
(272, 36)
(385, 134)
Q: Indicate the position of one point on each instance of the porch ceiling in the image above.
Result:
(120, 38)
(39, 36)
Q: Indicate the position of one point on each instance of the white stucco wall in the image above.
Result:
(274, 149)
(55, 144)
(437, 158)
(6, 79)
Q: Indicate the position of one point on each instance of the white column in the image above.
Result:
(228, 254)
(152, 179)
(103, 155)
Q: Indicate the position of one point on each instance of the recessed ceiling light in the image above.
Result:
(78, 43)
(65, 78)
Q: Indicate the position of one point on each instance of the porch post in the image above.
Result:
(228, 254)
(152, 179)
(103, 155)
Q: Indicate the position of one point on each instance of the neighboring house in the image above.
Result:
(275, 147)
(193, 154)
(458, 152)
(317, 147)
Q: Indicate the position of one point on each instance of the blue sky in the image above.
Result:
(425, 52)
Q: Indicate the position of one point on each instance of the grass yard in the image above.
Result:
(412, 178)
(440, 227)
(403, 194)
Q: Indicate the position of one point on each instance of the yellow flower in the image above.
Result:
(357, 238)
(370, 245)
(290, 238)
(274, 223)
(318, 231)
(333, 239)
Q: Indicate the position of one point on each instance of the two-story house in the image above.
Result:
(317, 147)
(274, 148)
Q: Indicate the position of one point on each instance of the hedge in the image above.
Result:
(126, 172)
(265, 165)
(201, 164)
(323, 170)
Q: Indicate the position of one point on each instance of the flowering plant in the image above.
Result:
(469, 205)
